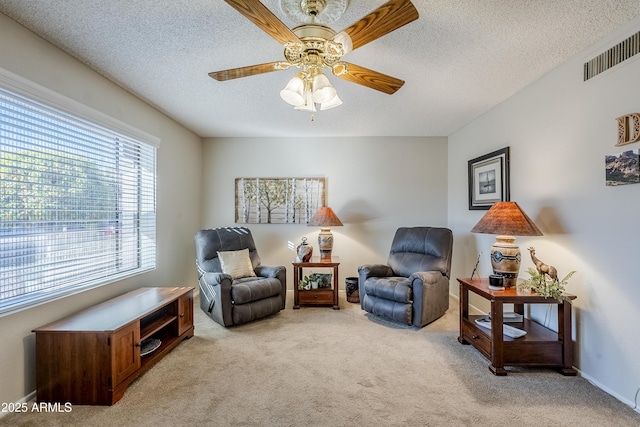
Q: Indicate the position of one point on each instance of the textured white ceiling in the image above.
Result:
(459, 59)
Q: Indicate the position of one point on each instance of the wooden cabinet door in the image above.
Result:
(125, 352)
(185, 312)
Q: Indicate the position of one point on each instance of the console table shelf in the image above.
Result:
(151, 329)
(540, 346)
(90, 358)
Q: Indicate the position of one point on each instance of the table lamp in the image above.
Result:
(506, 219)
(325, 218)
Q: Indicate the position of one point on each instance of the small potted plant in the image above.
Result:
(309, 282)
(547, 286)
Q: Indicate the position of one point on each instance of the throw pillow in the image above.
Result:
(237, 264)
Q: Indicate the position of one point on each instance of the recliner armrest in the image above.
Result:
(215, 278)
(430, 296)
(426, 276)
(215, 299)
(276, 272)
(270, 271)
(215, 286)
(374, 270)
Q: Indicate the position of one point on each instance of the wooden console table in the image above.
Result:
(90, 358)
(540, 347)
(316, 297)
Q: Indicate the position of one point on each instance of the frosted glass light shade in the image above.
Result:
(334, 102)
(293, 93)
(308, 104)
(322, 89)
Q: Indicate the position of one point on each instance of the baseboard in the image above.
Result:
(629, 403)
(29, 397)
(472, 308)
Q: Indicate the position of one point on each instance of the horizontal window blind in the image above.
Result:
(77, 204)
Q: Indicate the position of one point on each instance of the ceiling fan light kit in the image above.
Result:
(293, 93)
(308, 104)
(322, 89)
(334, 102)
(315, 51)
(312, 47)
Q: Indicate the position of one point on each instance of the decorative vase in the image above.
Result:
(325, 243)
(505, 259)
(304, 251)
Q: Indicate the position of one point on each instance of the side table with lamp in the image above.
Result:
(324, 218)
(540, 346)
(536, 345)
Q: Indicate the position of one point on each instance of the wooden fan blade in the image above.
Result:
(369, 78)
(385, 19)
(251, 70)
(258, 13)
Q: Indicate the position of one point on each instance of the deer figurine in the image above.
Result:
(543, 269)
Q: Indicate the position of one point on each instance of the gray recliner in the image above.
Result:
(413, 288)
(230, 301)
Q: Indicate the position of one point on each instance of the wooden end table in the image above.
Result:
(320, 296)
(540, 347)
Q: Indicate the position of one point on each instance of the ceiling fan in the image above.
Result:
(311, 47)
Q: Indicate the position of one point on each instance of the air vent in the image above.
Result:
(614, 56)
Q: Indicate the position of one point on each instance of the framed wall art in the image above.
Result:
(623, 168)
(278, 200)
(489, 179)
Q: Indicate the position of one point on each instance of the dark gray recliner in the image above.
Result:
(413, 288)
(231, 301)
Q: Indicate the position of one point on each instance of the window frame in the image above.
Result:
(51, 99)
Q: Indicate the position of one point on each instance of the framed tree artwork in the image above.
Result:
(489, 179)
(278, 200)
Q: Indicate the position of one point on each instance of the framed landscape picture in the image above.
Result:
(623, 168)
(489, 179)
(278, 200)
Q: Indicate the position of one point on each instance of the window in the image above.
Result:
(77, 204)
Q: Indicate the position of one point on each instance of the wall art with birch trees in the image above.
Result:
(278, 200)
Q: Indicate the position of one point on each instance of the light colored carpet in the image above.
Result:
(320, 367)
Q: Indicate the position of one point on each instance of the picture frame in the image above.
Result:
(622, 168)
(489, 179)
(278, 200)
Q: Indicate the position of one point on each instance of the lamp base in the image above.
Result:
(505, 260)
(325, 243)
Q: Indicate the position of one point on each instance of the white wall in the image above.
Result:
(374, 185)
(559, 130)
(179, 177)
